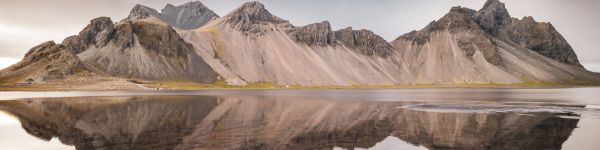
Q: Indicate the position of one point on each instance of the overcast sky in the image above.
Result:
(26, 23)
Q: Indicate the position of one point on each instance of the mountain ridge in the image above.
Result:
(187, 16)
(251, 45)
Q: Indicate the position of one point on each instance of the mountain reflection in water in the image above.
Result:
(259, 122)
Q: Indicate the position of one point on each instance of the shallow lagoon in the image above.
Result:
(303, 119)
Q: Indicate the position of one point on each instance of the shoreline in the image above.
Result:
(188, 86)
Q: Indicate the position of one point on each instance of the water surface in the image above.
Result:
(303, 119)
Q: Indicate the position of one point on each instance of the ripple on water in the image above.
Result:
(589, 110)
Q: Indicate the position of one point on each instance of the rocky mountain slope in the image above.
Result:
(190, 43)
(251, 45)
(486, 46)
(47, 61)
(141, 50)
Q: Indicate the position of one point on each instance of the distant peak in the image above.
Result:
(190, 15)
(190, 5)
(253, 9)
(170, 6)
(253, 4)
(252, 13)
(141, 12)
(493, 3)
(139, 7)
(194, 3)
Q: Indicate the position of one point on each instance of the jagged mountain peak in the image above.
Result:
(494, 17)
(457, 19)
(255, 9)
(250, 14)
(141, 12)
(98, 32)
(193, 6)
(544, 39)
(253, 6)
(462, 10)
(495, 7)
(190, 15)
(493, 4)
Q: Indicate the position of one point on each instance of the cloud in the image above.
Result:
(595, 67)
(6, 62)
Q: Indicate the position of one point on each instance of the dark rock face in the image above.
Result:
(494, 18)
(142, 12)
(544, 39)
(315, 34)
(98, 32)
(74, 44)
(416, 37)
(365, 41)
(116, 50)
(320, 34)
(161, 39)
(459, 20)
(249, 16)
(124, 36)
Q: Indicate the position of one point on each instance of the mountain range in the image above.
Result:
(192, 44)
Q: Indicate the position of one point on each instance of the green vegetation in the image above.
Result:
(265, 85)
(182, 85)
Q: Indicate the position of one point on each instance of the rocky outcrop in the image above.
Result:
(45, 62)
(98, 32)
(365, 41)
(544, 39)
(494, 18)
(142, 50)
(188, 16)
(470, 36)
(464, 36)
(142, 12)
(318, 34)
